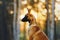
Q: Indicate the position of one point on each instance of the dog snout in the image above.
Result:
(25, 19)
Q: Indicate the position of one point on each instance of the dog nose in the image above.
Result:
(21, 20)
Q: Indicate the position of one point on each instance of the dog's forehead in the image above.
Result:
(31, 15)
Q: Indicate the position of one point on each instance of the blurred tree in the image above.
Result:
(6, 20)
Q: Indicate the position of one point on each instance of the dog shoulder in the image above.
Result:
(40, 35)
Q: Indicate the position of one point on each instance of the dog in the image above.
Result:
(35, 33)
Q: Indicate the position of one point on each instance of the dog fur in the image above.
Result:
(35, 33)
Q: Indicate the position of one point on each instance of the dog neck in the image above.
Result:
(33, 22)
(33, 25)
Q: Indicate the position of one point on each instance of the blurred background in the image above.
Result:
(6, 19)
(46, 12)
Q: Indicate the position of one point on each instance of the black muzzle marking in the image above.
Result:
(25, 19)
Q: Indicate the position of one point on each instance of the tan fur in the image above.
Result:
(35, 33)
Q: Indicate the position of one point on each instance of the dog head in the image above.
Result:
(28, 17)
